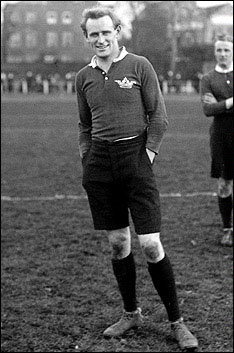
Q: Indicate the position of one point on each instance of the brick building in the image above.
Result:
(44, 36)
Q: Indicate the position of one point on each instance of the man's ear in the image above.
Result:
(86, 36)
(118, 29)
(87, 39)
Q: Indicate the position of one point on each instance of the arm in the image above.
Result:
(210, 104)
(208, 98)
(155, 109)
(85, 121)
(229, 103)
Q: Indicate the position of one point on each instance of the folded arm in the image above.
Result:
(211, 106)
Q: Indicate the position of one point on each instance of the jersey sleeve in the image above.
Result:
(155, 107)
(210, 109)
(84, 118)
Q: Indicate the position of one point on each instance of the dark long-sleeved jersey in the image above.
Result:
(120, 103)
(220, 85)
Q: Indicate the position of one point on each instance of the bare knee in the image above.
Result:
(120, 242)
(152, 247)
(224, 188)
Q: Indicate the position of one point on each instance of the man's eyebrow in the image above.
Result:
(91, 33)
(105, 30)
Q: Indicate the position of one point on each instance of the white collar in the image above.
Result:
(223, 71)
(123, 53)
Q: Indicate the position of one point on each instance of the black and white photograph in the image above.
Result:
(117, 176)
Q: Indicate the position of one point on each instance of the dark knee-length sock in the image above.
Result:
(225, 208)
(125, 274)
(164, 282)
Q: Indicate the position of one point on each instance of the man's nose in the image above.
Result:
(101, 38)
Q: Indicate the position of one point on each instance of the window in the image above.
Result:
(14, 59)
(30, 17)
(51, 17)
(49, 59)
(15, 40)
(67, 39)
(31, 39)
(15, 17)
(67, 17)
(31, 58)
(51, 39)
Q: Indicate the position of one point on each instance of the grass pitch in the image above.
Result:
(58, 290)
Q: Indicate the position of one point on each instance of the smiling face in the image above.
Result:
(224, 53)
(103, 37)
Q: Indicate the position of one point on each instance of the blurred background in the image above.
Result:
(42, 45)
(52, 260)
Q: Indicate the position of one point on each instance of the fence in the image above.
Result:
(57, 84)
(38, 83)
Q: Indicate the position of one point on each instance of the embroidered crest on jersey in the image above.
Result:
(125, 83)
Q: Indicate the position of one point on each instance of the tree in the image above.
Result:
(150, 34)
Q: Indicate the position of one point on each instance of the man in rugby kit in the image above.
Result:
(122, 120)
(217, 101)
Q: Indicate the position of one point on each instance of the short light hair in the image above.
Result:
(224, 37)
(98, 12)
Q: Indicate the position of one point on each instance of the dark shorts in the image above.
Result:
(221, 144)
(118, 177)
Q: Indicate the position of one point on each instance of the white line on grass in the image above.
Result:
(83, 197)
